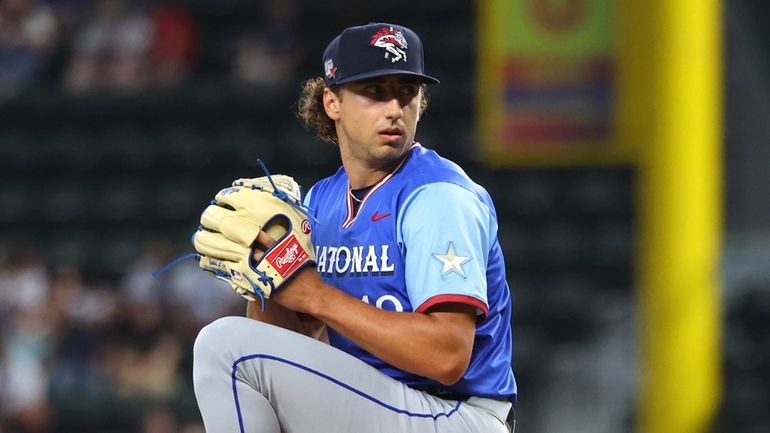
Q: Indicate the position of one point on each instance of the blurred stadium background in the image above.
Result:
(120, 119)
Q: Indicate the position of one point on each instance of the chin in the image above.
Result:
(390, 154)
(394, 150)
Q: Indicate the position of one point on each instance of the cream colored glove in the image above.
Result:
(229, 228)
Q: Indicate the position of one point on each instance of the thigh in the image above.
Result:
(314, 387)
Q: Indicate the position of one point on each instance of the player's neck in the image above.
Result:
(365, 173)
(360, 179)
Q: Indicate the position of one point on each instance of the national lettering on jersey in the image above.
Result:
(354, 261)
(367, 256)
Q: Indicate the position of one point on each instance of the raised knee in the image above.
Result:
(216, 334)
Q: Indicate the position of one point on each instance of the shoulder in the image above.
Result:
(442, 202)
(443, 194)
(428, 171)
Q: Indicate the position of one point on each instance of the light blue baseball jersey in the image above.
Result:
(424, 235)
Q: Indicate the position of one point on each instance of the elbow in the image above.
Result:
(452, 370)
(449, 379)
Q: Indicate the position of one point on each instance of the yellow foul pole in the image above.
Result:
(676, 126)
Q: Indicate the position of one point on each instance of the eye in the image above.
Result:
(409, 90)
(373, 89)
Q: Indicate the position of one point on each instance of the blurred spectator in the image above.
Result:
(83, 313)
(70, 14)
(174, 47)
(164, 420)
(110, 49)
(201, 298)
(24, 284)
(160, 420)
(146, 369)
(188, 296)
(66, 334)
(127, 48)
(26, 350)
(26, 344)
(138, 285)
(28, 33)
(270, 54)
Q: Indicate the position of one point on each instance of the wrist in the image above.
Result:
(313, 305)
(320, 304)
(302, 291)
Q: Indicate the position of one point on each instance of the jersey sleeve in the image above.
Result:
(446, 233)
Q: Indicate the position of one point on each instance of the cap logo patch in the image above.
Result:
(393, 41)
(329, 69)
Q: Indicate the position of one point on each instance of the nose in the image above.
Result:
(393, 109)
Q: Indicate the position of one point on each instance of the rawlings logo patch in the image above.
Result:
(305, 227)
(287, 257)
(393, 41)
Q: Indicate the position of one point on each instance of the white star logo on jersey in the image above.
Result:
(452, 262)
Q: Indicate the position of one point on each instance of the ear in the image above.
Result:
(331, 104)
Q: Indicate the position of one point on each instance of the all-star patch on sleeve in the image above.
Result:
(446, 234)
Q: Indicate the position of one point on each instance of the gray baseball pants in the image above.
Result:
(251, 377)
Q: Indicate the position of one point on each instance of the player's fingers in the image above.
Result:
(213, 215)
(218, 246)
(233, 197)
(278, 225)
(281, 181)
(230, 223)
(265, 240)
(249, 182)
(257, 254)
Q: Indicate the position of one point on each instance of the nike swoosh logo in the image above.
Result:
(378, 216)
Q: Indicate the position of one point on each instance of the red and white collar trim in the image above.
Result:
(351, 215)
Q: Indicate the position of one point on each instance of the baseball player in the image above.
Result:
(403, 324)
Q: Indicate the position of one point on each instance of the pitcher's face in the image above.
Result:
(376, 119)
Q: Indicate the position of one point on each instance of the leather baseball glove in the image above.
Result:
(226, 240)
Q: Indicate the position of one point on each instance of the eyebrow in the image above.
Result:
(401, 80)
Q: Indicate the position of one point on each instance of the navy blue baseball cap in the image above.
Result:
(374, 50)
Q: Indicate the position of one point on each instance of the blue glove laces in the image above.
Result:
(263, 277)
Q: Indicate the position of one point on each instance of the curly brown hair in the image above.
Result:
(310, 108)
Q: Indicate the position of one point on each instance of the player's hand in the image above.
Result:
(255, 235)
(296, 293)
(261, 244)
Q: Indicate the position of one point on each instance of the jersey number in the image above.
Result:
(383, 299)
